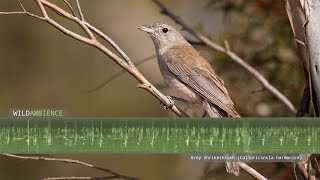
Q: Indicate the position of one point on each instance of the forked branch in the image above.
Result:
(113, 175)
(90, 39)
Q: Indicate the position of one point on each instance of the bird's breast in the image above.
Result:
(177, 86)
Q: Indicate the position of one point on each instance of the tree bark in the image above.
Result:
(312, 12)
(304, 18)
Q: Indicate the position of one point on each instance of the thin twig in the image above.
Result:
(70, 7)
(104, 83)
(80, 178)
(111, 42)
(80, 11)
(24, 12)
(91, 40)
(234, 57)
(67, 15)
(227, 45)
(71, 161)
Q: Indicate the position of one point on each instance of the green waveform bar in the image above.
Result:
(155, 135)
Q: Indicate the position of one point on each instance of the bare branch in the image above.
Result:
(24, 12)
(104, 83)
(251, 171)
(43, 10)
(67, 15)
(234, 57)
(80, 178)
(89, 30)
(80, 11)
(71, 161)
(70, 7)
(300, 42)
(227, 45)
(111, 42)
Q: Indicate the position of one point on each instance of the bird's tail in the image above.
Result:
(216, 112)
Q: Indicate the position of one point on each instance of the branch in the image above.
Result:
(234, 57)
(91, 40)
(70, 7)
(119, 74)
(71, 161)
(24, 12)
(80, 178)
(80, 11)
(251, 171)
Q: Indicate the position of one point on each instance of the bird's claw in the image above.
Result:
(171, 103)
(233, 168)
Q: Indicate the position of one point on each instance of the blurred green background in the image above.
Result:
(42, 68)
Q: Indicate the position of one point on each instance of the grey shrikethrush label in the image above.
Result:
(248, 157)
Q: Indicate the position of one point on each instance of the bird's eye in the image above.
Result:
(165, 30)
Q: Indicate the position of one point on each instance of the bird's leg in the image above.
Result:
(171, 98)
(177, 99)
(183, 114)
(204, 114)
(171, 103)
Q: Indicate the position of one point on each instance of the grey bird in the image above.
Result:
(187, 73)
(190, 76)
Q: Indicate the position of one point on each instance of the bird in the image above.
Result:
(189, 75)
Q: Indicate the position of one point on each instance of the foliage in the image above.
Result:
(260, 32)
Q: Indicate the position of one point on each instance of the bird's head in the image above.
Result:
(163, 35)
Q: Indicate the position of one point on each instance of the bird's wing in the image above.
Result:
(192, 69)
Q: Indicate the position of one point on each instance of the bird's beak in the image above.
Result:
(147, 29)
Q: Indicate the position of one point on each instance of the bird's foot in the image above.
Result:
(233, 168)
(171, 103)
